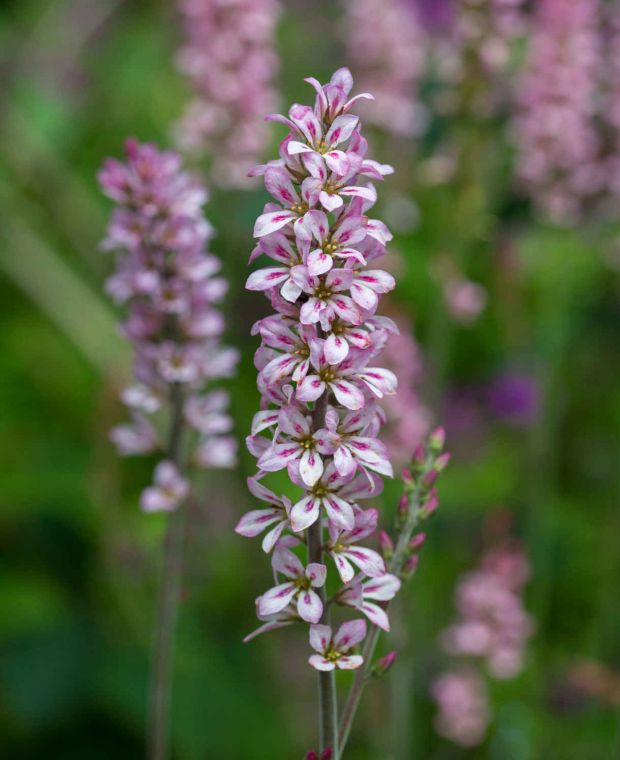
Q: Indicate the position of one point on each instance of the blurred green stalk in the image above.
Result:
(168, 602)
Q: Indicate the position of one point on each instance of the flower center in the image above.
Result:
(322, 292)
(303, 584)
(328, 375)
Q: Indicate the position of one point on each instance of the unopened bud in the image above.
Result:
(419, 455)
(403, 505)
(431, 504)
(417, 541)
(311, 755)
(411, 565)
(437, 439)
(442, 461)
(386, 545)
(430, 478)
(328, 753)
(407, 477)
(385, 663)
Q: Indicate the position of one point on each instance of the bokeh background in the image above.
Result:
(508, 277)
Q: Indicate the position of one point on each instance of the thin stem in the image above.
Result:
(328, 701)
(395, 566)
(168, 602)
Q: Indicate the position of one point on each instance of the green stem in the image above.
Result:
(395, 566)
(167, 604)
(328, 701)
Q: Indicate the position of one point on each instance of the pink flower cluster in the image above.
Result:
(169, 285)
(493, 628)
(385, 43)
(319, 417)
(230, 58)
(464, 711)
(555, 131)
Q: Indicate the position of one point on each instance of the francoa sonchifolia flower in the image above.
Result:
(318, 370)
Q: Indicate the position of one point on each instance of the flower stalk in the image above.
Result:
(166, 280)
(319, 418)
(420, 497)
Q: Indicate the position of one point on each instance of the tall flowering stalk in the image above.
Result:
(168, 283)
(320, 416)
(559, 148)
(229, 56)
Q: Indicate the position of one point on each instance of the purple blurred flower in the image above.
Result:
(167, 281)
(514, 398)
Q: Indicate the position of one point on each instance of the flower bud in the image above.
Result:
(437, 439)
(430, 478)
(431, 504)
(385, 663)
(403, 505)
(417, 541)
(419, 455)
(407, 477)
(442, 461)
(411, 565)
(386, 545)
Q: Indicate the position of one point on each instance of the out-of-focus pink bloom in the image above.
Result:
(333, 651)
(493, 624)
(386, 45)
(555, 130)
(168, 491)
(464, 712)
(229, 56)
(493, 628)
(408, 420)
(465, 299)
(169, 284)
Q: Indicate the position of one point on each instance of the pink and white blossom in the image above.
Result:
(334, 650)
(299, 588)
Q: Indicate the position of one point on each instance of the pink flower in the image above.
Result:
(168, 491)
(300, 587)
(276, 516)
(333, 651)
(344, 551)
(380, 589)
(333, 494)
(342, 440)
